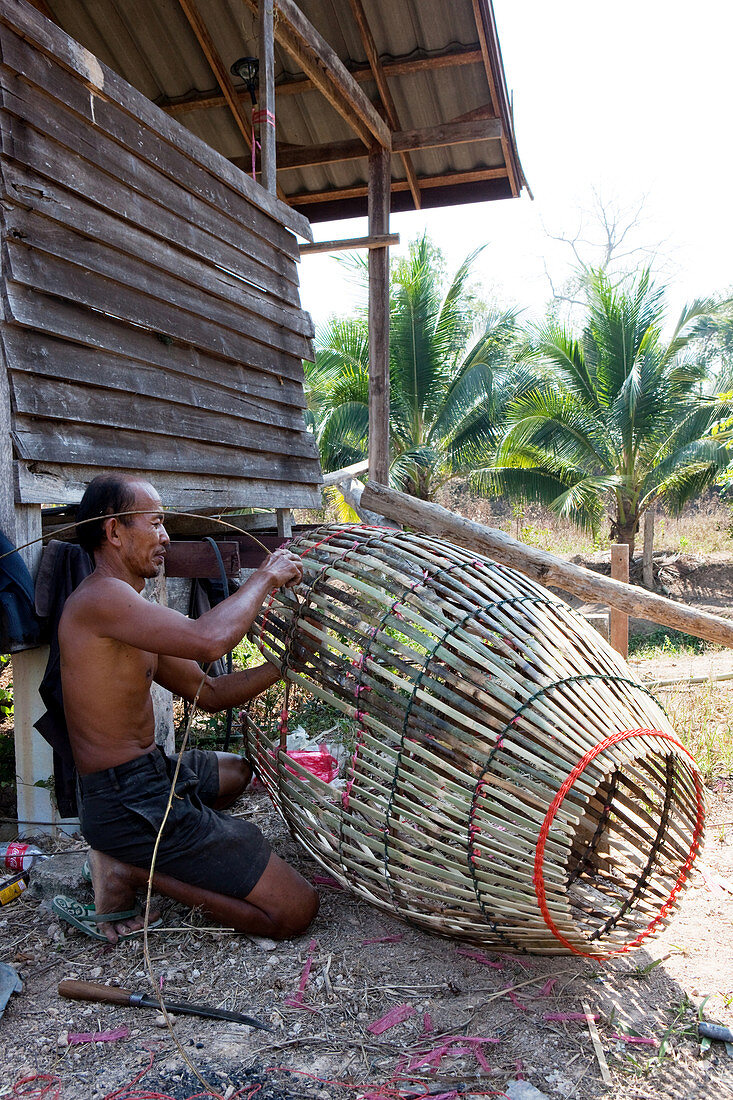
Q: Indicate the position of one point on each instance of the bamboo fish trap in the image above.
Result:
(509, 782)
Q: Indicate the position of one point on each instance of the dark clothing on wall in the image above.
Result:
(19, 626)
(63, 567)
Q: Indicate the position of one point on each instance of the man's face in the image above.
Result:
(143, 537)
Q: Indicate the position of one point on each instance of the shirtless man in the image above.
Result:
(113, 645)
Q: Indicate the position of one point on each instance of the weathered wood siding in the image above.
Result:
(151, 314)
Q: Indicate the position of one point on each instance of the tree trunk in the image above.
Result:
(625, 532)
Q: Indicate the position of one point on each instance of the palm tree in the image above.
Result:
(446, 379)
(617, 417)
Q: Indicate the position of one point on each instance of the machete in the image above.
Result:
(114, 995)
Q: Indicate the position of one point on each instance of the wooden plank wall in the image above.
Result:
(152, 317)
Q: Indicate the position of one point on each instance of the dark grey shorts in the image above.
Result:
(121, 810)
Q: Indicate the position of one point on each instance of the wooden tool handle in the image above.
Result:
(90, 991)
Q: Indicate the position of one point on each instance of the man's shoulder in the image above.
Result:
(96, 591)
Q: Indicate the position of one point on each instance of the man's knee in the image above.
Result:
(299, 916)
(288, 899)
(234, 775)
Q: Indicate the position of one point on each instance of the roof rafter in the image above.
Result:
(321, 63)
(462, 55)
(479, 12)
(219, 69)
(42, 6)
(223, 79)
(385, 94)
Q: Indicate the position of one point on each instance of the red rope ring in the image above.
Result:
(537, 878)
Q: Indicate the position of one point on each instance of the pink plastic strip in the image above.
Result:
(479, 957)
(514, 999)
(394, 1016)
(75, 1037)
(326, 880)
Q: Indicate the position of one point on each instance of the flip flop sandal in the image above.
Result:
(86, 918)
(86, 871)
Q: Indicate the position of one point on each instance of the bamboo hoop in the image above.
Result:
(511, 782)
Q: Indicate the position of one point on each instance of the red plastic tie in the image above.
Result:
(538, 878)
(260, 115)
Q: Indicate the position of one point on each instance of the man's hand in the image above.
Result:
(283, 568)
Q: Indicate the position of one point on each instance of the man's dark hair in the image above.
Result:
(106, 495)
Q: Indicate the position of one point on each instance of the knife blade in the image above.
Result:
(111, 994)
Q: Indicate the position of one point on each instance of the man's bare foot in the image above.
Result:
(115, 885)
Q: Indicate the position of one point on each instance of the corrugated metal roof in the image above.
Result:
(151, 44)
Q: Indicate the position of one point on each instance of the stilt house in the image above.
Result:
(152, 223)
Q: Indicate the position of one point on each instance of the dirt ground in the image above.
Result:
(360, 964)
(363, 964)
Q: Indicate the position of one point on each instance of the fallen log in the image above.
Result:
(433, 519)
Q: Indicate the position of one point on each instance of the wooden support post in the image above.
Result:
(7, 498)
(156, 592)
(647, 561)
(379, 203)
(284, 523)
(266, 105)
(33, 755)
(619, 620)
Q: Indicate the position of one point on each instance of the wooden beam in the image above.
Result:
(308, 156)
(185, 558)
(266, 105)
(484, 111)
(345, 473)
(448, 133)
(479, 7)
(619, 620)
(454, 57)
(431, 137)
(459, 56)
(379, 193)
(545, 568)
(284, 523)
(321, 63)
(382, 240)
(219, 69)
(221, 73)
(385, 94)
(453, 179)
(42, 6)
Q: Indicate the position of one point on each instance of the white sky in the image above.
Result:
(631, 98)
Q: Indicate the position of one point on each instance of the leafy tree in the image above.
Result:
(617, 416)
(447, 377)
